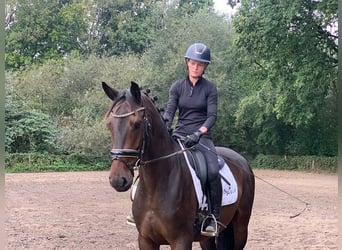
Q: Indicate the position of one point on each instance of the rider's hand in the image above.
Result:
(192, 139)
(168, 124)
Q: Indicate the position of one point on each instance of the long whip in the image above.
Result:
(281, 190)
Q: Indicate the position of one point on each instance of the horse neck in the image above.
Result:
(158, 142)
(167, 177)
(161, 173)
(160, 145)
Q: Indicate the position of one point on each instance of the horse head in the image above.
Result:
(125, 120)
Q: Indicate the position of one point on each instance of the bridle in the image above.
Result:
(118, 154)
(127, 114)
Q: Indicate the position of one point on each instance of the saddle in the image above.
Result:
(198, 162)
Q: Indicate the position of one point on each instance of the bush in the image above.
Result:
(37, 162)
(305, 163)
(30, 131)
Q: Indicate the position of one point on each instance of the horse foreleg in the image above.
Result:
(147, 244)
(181, 246)
(208, 244)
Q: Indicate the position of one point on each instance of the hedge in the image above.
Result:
(38, 162)
(304, 163)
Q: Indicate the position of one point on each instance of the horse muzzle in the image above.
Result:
(121, 183)
(120, 175)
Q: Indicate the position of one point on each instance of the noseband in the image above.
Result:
(118, 154)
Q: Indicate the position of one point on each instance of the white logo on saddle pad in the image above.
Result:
(229, 188)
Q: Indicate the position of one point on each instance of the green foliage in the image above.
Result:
(164, 60)
(29, 131)
(72, 94)
(190, 7)
(303, 163)
(275, 69)
(164, 63)
(57, 88)
(38, 162)
(286, 58)
(43, 30)
(95, 136)
(120, 27)
(294, 52)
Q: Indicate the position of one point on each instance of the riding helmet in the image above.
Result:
(198, 52)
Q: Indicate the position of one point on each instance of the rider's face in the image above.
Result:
(196, 68)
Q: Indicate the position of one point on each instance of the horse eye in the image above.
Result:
(137, 125)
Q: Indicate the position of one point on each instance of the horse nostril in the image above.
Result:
(124, 182)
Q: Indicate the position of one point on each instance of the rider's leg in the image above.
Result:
(215, 196)
(214, 182)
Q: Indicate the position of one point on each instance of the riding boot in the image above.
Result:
(215, 196)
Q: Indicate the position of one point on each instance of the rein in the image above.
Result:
(166, 156)
(119, 153)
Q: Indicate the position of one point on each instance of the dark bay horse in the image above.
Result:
(165, 206)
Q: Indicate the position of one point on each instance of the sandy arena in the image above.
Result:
(79, 210)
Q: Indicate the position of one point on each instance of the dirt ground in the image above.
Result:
(79, 210)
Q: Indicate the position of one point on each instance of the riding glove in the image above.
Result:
(168, 124)
(192, 139)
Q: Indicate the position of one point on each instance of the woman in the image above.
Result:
(196, 100)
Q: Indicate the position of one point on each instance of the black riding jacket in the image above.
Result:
(197, 105)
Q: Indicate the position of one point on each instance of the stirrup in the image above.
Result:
(209, 234)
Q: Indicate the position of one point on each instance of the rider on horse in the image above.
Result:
(196, 100)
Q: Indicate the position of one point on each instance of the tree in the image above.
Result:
(287, 55)
(37, 31)
(41, 30)
(118, 27)
(190, 7)
(164, 61)
(70, 91)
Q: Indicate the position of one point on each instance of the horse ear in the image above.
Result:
(135, 91)
(110, 92)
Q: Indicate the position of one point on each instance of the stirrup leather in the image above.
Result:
(209, 234)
